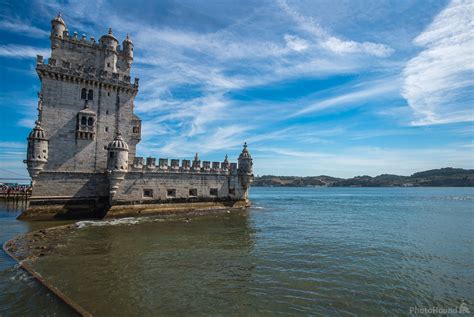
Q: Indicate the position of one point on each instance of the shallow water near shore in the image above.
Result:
(361, 251)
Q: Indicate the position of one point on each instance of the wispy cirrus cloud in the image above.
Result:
(22, 28)
(439, 81)
(358, 94)
(333, 43)
(285, 76)
(21, 51)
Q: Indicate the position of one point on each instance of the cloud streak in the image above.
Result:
(21, 51)
(22, 28)
(439, 81)
(333, 43)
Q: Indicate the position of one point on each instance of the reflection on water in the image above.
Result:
(299, 251)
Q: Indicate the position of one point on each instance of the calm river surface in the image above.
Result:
(298, 251)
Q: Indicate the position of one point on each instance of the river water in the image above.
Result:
(298, 251)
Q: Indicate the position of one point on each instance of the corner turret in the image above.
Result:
(127, 47)
(117, 159)
(37, 153)
(245, 169)
(58, 27)
(117, 164)
(109, 40)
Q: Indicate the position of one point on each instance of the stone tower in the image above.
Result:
(86, 98)
(82, 151)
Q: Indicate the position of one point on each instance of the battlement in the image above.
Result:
(64, 70)
(104, 55)
(166, 165)
(84, 42)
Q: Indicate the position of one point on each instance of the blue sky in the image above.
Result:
(341, 88)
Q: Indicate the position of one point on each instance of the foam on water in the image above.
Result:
(112, 222)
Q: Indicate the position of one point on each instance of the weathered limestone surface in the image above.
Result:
(82, 151)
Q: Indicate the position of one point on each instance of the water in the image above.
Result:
(20, 294)
(299, 251)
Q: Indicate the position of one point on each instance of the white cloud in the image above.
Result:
(27, 123)
(295, 43)
(22, 28)
(331, 42)
(11, 145)
(12, 155)
(365, 160)
(368, 91)
(348, 47)
(22, 51)
(439, 81)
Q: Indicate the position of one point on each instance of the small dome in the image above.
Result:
(58, 19)
(118, 143)
(109, 36)
(245, 153)
(127, 39)
(37, 132)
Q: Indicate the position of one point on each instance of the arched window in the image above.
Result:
(90, 95)
(83, 93)
(83, 121)
(90, 122)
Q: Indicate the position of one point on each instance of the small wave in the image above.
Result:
(458, 198)
(113, 222)
(20, 275)
(258, 207)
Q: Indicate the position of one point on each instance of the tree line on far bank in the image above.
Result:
(444, 177)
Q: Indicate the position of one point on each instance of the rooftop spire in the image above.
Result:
(59, 19)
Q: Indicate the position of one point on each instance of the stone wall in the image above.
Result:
(61, 103)
(167, 187)
(70, 185)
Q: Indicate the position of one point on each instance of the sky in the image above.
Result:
(316, 87)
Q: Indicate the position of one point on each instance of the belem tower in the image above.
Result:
(82, 152)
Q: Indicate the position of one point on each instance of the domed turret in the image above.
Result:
(37, 152)
(117, 164)
(58, 26)
(57, 30)
(109, 40)
(245, 167)
(128, 50)
(117, 155)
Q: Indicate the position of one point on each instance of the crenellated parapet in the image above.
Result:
(184, 166)
(103, 60)
(78, 73)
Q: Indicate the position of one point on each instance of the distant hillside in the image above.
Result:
(448, 177)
